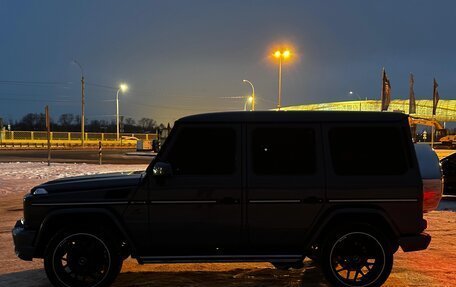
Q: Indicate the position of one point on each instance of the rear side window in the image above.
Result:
(204, 150)
(283, 151)
(368, 151)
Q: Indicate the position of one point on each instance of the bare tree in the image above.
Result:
(71, 123)
(147, 124)
(32, 122)
(130, 122)
(66, 120)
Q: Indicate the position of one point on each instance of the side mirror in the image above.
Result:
(162, 169)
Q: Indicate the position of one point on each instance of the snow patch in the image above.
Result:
(22, 176)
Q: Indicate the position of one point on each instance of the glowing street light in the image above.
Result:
(123, 88)
(253, 94)
(281, 55)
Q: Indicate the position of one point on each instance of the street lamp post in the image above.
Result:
(248, 100)
(123, 88)
(253, 94)
(83, 103)
(281, 55)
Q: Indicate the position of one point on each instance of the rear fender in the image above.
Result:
(337, 217)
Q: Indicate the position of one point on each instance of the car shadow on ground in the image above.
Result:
(266, 277)
(29, 278)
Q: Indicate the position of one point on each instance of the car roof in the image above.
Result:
(294, 116)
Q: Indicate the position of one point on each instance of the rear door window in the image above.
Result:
(368, 150)
(283, 151)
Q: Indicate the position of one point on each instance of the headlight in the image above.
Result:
(40, 191)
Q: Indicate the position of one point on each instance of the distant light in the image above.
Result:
(250, 99)
(277, 54)
(351, 92)
(286, 54)
(123, 87)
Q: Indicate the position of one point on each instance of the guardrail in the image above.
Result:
(70, 139)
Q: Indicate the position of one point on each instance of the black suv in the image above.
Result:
(343, 188)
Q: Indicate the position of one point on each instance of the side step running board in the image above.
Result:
(219, 258)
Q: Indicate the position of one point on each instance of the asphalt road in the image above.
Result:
(117, 156)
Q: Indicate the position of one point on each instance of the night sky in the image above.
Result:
(187, 57)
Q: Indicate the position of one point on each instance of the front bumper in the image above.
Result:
(415, 242)
(23, 241)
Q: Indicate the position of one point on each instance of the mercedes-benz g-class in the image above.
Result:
(268, 186)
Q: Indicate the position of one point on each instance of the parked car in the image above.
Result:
(431, 174)
(449, 174)
(241, 186)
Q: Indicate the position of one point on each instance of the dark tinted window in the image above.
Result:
(204, 151)
(283, 151)
(368, 151)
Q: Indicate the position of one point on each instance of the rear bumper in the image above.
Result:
(415, 242)
(23, 241)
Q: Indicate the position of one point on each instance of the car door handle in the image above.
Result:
(228, 200)
(312, 200)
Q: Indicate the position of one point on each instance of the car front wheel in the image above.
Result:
(82, 259)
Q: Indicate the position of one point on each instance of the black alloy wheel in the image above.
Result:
(357, 258)
(82, 259)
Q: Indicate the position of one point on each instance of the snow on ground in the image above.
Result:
(21, 176)
(32, 170)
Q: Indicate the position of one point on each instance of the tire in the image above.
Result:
(357, 256)
(82, 259)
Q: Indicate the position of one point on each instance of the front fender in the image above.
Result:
(74, 213)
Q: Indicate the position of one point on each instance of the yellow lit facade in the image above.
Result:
(446, 109)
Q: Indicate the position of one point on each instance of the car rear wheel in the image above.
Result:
(357, 257)
(82, 259)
